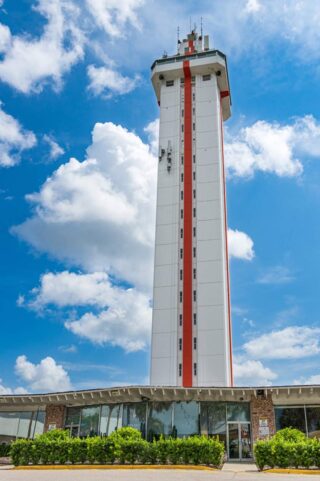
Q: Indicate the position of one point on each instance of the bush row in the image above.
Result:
(118, 448)
(4, 450)
(288, 448)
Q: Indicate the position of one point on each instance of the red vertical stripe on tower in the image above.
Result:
(187, 232)
(226, 242)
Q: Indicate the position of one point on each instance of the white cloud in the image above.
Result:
(253, 6)
(5, 37)
(13, 139)
(100, 213)
(113, 15)
(8, 390)
(253, 373)
(29, 64)
(276, 275)
(108, 82)
(272, 148)
(125, 316)
(240, 245)
(311, 380)
(45, 376)
(289, 343)
(55, 149)
(152, 130)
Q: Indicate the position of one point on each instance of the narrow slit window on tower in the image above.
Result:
(181, 214)
(194, 343)
(181, 195)
(182, 127)
(169, 83)
(181, 253)
(193, 78)
(180, 274)
(193, 111)
(194, 295)
(182, 80)
(181, 159)
(194, 252)
(193, 126)
(194, 232)
(180, 296)
(195, 368)
(194, 176)
(194, 273)
(194, 212)
(206, 77)
(182, 177)
(180, 344)
(180, 370)
(194, 158)
(182, 112)
(181, 233)
(194, 193)
(194, 319)
(180, 320)
(193, 96)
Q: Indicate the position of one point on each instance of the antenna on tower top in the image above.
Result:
(178, 34)
(201, 27)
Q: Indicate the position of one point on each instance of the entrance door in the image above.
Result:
(239, 441)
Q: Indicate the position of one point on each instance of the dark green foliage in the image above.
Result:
(123, 446)
(288, 448)
(4, 450)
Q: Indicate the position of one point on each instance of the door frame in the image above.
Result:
(238, 423)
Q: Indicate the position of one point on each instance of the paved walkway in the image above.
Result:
(230, 472)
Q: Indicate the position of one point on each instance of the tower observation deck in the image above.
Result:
(191, 326)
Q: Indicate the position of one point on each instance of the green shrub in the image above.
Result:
(288, 448)
(123, 446)
(4, 450)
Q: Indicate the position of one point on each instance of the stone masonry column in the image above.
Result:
(54, 416)
(262, 417)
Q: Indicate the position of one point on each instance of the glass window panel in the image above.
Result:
(110, 419)
(160, 419)
(39, 423)
(290, 417)
(213, 419)
(73, 416)
(238, 412)
(9, 422)
(134, 415)
(186, 418)
(24, 424)
(313, 420)
(89, 421)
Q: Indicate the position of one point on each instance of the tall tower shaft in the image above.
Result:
(191, 326)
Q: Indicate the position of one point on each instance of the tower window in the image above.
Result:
(181, 159)
(180, 320)
(181, 213)
(194, 273)
(194, 343)
(194, 212)
(194, 159)
(194, 296)
(180, 296)
(194, 252)
(180, 370)
(182, 177)
(194, 193)
(182, 128)
(181, 253)
(194, 176)
(181, 233)
(193, 110)
(182, 80)
(182, 112)
(181, 195)
(195, 368)
(180, 344)
(206, 77)
(169, 83)
(194, 232)
(193, 96)
(193, 126)
(194, 319)
(180, 274)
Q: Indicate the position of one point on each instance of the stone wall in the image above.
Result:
(55, 414)
(262, 417)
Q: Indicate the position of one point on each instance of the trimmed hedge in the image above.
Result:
(124, 446)
(288, 448)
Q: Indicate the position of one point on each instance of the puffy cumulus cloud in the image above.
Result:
(240, 245)
(30, 63)
(276, 275)
(124, 317)
(113, 15)
(9, 390)
(311, 380)
(55, 150)
(293, 342)
(253, 6)
(272, 148)
(108, 82)
(152, 130)
(5, 37)
(13, 139)
(100, 213)
(45, 376)
(253, 373)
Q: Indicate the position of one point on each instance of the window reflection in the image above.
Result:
(134, 415)
(290, 417)
(313, 420)
(89, 421)
(238, 412)
(110, 419)
(213, 420)
(186, 419)
(159, 420)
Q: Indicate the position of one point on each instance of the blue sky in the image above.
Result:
(78, 130)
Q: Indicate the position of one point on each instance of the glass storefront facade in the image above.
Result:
(305, 418)
(20, 424)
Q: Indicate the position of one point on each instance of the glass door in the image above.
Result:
(239, 441)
